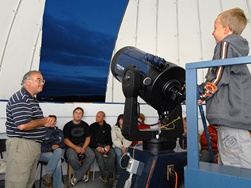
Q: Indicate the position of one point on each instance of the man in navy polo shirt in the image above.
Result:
(25, 128)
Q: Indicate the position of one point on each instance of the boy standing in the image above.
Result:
(229, 106)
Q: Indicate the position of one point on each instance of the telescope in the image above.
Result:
(161, 85)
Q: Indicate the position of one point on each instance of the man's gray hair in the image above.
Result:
(28, 75)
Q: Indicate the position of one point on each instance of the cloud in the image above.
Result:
(77, 44)
(67, 39)
(59, 86)
(74, 59)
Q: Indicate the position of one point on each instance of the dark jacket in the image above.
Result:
(54, 135)
(101, 135)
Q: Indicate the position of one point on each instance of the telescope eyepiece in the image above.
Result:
(160, 63)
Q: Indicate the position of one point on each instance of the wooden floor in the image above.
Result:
(96, 183)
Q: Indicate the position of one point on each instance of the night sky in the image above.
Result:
(77, 43)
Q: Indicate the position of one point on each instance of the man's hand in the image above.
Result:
(33, 124)
(78, 149)
(22, 127)
(55, 147)
(123, 149)
(107, 149)
(100, 149)
(48, 122)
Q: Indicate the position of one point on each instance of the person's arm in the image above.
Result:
(46, 148)
(108, 136)
(68, 143)
(33, 124)
(221, 52)
(86, 143)
(57, 139)
(71, 145)
(47, 144)
(55, 146)
(127, 143)
(207, 92)
(123, 149)
(116, 141)
(93, 133)
(61, 135)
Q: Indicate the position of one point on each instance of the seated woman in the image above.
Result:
(120, 144)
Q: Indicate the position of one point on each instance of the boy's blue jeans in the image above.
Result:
(54, 166)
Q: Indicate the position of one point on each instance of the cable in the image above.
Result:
(164, 120)
(176, 179)
(122, 158)
(134, 148)
(173, 173)
(203, 119)
(128, 182)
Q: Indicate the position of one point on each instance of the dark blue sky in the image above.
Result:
(77, 44)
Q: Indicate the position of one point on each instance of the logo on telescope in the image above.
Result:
(119, 67)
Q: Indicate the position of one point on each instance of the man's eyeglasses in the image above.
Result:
(38, 81)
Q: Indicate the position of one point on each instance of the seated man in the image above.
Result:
(101, 143)
(77, 138)
(51, 152)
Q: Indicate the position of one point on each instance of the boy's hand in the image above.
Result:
(199, 102)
